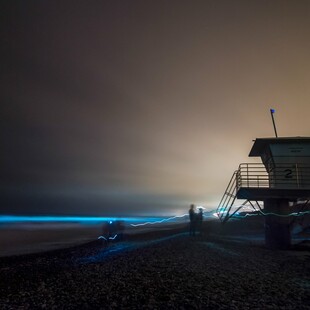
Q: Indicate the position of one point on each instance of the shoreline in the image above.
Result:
(19, 241)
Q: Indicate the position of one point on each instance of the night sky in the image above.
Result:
(143, 107)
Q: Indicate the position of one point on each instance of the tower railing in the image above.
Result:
(284, 176)
(281, 176)
(252, 175)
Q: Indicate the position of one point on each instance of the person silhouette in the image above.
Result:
(199, 220)
(192, 220)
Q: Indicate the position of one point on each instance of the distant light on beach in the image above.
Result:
(200, 207)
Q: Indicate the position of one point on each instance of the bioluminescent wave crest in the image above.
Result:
(109, 238)
(271, 213)
(82, 219)
(134, 221)
(160, 221)
(261, 213)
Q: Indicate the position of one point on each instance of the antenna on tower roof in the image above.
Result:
(272, 111)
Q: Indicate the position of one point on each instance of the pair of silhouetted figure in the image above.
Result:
(195, 220)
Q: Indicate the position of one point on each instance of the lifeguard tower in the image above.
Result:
(281, 179)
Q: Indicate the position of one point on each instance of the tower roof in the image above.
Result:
(260, 144)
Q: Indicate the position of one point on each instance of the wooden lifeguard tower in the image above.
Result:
(281, 179)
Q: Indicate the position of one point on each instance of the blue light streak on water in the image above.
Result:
(135, 221)
(81, 219)
(106, 239)
(160, 221)
(271, 213)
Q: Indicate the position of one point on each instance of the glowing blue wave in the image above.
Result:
(148, 223)
(271, 213)
(106, 239)
(159, 221)
(90, 219)
(135, 221)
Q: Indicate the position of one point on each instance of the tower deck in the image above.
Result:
(288, 181)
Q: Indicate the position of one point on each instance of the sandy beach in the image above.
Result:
(166, 269)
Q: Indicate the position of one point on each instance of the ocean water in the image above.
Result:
(26, 238)
(32, 235)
